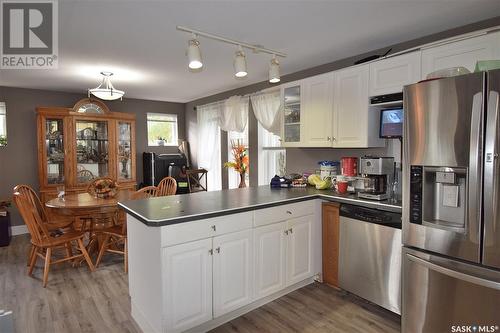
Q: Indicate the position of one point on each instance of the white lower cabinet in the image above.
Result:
(270, 259)
(233, 271)
(299, 249)
(205, 280)
(283, 254)
(187, 284)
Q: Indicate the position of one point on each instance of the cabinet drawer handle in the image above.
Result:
(289, 212)
(217, 249)
(210, 252)
(214, 228)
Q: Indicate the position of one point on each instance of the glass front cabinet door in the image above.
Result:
(125, 154)
(292, 125)
(53, 152)
(92, 149)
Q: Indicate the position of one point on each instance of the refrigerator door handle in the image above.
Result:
(490, 182)
(475, 169)
(455, 274)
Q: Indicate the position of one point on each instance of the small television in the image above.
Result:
(391, 123)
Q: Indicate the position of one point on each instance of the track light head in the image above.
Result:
(274, 70)
(240, 63)
(194, 54)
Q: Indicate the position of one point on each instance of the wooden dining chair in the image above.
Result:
(167, 186)
(145, 192)
(43, 240)
(34, 200)
(113, 237)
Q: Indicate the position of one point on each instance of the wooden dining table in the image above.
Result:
(85, 204)
(89, 212)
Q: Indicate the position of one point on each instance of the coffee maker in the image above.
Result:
(377, 175)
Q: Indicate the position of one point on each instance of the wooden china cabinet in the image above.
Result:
(78, 144)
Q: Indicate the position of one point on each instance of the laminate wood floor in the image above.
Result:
(76, 300)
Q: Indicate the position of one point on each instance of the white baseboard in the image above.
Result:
(141, 320)
(19, 229)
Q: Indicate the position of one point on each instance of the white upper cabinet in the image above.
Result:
(354, 125)
(233, 271)
(293, 126)
(461, 53)
(318, 110)
(389, 75)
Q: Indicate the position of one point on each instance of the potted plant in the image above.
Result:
(241, 161)
(3, 140)
(160, 141)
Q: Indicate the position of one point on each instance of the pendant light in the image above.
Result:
(194, 54)
(240, 63)
(106, 90)
(274, 70)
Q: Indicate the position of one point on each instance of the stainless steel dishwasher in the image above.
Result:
(370, 255)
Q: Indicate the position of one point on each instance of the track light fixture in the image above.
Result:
(194, 53)
(240, 63)
(274, 70)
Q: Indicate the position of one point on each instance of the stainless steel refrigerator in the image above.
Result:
(451, 205)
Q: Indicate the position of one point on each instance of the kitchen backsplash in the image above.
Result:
(299, 160)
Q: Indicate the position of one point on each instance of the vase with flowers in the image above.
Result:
(240, 164)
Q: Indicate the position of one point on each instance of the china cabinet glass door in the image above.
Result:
(292, 114)
(124, 161)
(54, 144)
(92, 150)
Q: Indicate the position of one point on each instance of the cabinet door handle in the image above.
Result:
(334, 139)
(328, 138)
(214, 228)
(291, 230)
(217, 249)
(286, 232)
(289, 212)
(210, 252)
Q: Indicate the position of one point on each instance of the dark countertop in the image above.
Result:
(174, 209)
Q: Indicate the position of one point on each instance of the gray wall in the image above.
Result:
(18, 161)
(303, 159)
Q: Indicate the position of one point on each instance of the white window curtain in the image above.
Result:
(209, 152)
(266, 107)
(234, 114)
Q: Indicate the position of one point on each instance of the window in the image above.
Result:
(3, 124)
(233, 176)
(162, 129)
(272, 158)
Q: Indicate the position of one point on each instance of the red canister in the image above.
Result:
(349, 166)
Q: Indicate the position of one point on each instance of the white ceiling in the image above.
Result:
(137, 40)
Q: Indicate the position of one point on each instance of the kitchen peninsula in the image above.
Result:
(199, 260)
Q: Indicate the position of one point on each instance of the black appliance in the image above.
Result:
(5, 233)
(158, 166)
